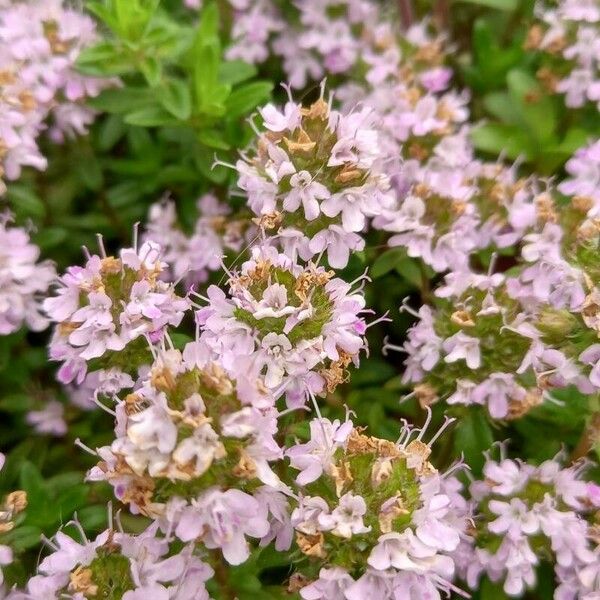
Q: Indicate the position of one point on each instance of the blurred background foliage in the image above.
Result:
(180, 107)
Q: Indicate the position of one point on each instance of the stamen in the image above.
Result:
(447, 422)
(87, 449)
(383, 319)
(218, 162)
(404, 307)
(394, 347)
(426, 424)
(103, 406)
(101, 245)
(136, 228)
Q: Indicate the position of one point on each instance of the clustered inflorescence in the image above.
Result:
(39, 46)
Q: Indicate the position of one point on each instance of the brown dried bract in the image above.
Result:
(311, 545)
(81, 582)
(425, 394)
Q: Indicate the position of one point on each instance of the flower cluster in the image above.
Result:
(117, 565)
(297, 326)
(322, 38)
(567, 33)
(502, 340)
(374, 516)
(529, 513)
(193, 450)
(23, 280)
(39, 46)
(478, 347)
(108, 312)
(313, 177)
(193, 257)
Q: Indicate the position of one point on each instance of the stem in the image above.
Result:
(589, 438)
(221, 576)
(406, 13)
(441, 12)
(426, 294)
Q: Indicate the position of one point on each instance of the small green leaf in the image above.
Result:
(472, 437)
(51, 237)
(236, 71)
(409, 269)
(245, 98)
(497, 138)
(499, 104)
(151, 116)
(209, 23)
(534, 107)
(25, 201)
(176, 98)
(104, 59)
(213, 139)
(25, 537)
(151, 69)
(386, 262)
(122, 100)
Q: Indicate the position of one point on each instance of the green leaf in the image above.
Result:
(245, 98)
(499, 104)
(51, 237)
(536, 110)
(151, 69)
(100, 10)
(122, 100)
(26, 201)
(208, 29)
(104, 59)
(497, 138)
(236, 71)
(90, 173)
(213, 138)
(386, 262)
(32, 482)
(111, 130)
(176, 98)
(151, 116)
(409, 269)
(472, 437)
(25, 537)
